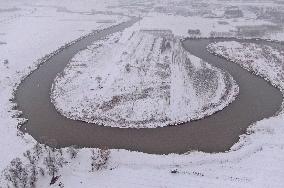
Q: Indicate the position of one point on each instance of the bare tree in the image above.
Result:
(93, 160)
(53, 161)
(41, 171)
(50, 164)
(73, 151)
(99, 159)
(17, 174)
(37, 150)
(33, 175)
(32, 159)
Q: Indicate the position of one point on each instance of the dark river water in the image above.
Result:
(257, 100)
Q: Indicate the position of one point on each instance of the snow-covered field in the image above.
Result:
(242, 19)
(140, 79)
(262, 59)
(27, 33)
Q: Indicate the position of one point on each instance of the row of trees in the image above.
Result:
(43, 160)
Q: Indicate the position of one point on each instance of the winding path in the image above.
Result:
(216, 133)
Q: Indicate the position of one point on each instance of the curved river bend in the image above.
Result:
(257, 100)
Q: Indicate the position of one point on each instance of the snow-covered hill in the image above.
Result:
(141, 79)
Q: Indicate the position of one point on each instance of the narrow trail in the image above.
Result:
(216, 133)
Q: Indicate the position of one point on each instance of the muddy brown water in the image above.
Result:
(257, 99)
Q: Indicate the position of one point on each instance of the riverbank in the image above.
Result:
(255, 161)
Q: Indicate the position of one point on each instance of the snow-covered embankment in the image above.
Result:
(141, 79)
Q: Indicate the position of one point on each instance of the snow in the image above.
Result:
(29, 33)
(261, 59)
(180, 25)
(254, 162)
(167, 84)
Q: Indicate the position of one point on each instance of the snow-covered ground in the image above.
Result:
(141, 80)
(262, 59)
(27, 33)
(243, 19)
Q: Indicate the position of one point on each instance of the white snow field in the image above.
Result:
(264, 60)
(143, 80)
(31, 29)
